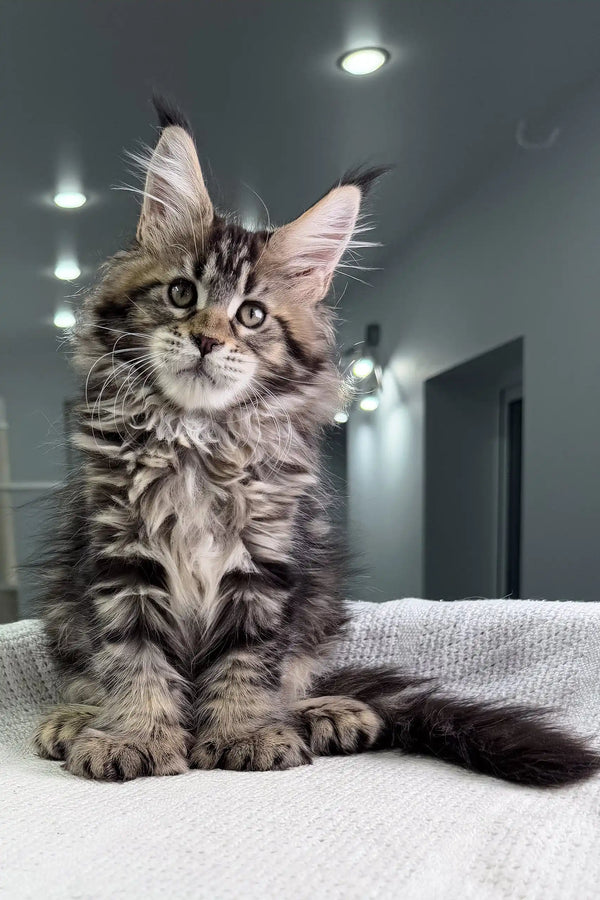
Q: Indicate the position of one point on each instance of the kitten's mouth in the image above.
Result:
(196, 370)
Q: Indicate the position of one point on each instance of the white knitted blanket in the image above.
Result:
(372, 826)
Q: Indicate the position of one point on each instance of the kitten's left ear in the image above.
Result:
(307, 251)
(175, 196)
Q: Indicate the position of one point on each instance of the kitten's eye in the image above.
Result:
(251, 314)
(182, 293)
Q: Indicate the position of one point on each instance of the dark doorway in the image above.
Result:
(473, 477)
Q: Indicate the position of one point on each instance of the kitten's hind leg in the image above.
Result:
(82, 699)
(337, 725)
(57, 730)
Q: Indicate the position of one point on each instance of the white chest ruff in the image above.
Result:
(194, 529)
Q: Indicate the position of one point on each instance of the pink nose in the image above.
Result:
(205, 344)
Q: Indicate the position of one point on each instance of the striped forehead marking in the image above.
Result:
(231, 255)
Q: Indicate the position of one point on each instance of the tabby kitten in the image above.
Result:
(194, 595)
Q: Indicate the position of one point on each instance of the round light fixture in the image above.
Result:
(369, 403)
(64, 318)
(364, 61)
(67, 270)
(69, 199)
(363, 367)
(341, 417)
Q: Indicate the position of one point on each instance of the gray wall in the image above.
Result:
(520, 258)
(35, 381)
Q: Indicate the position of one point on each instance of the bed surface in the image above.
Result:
(377, 825)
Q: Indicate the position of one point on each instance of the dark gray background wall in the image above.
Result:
(519, 258)
(35, 382)
(277, 121)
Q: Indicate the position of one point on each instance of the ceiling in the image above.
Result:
(276, 121)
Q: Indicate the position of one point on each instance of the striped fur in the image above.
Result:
(194, 590)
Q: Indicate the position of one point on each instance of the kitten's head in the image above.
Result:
(207, 315)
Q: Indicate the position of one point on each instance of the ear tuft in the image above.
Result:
(169, 113)
(364, 178)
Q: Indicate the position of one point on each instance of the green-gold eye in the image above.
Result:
(182, 293)
(251, 315)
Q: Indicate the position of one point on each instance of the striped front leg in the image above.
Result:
(138, 730)
(242, 722)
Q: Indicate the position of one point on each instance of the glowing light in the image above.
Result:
(364, 61)
(70, 199)
(64, 318)
(67, 270)
(363, 367)
(369, 404)
(341, 417)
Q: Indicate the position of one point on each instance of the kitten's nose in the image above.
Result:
(205, 344)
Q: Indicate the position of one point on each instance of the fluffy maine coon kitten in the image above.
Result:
(194, 595)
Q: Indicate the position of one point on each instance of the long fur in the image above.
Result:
(194, 590)
(513, 742)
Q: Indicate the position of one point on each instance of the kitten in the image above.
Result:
(194, 596)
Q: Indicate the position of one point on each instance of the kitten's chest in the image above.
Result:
(195, 525)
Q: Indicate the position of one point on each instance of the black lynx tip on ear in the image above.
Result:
(364, 178)
(169, 114)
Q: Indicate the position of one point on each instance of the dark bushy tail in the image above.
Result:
(516, 743)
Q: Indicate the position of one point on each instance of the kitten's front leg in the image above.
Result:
(138, 730)
(242, 721)
(241, 724)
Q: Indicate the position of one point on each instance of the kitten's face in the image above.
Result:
(213, 328)
(206, 329)
(210, 315)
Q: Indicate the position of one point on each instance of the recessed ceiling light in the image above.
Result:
(364, 61)
(64, 318)
(369, 404)
(67, 270)
(70, 199)
(363, 367)
(341, 417)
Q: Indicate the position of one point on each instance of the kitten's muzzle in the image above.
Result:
(205, 344)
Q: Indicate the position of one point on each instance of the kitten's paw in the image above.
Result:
(269, 747)
(107, 757)
(57, 731)
(338, 724)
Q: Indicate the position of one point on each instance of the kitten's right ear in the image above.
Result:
(175, 196)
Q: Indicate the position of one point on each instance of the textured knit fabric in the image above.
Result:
(372, 826)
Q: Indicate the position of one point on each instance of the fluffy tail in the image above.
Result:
(515, 743)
